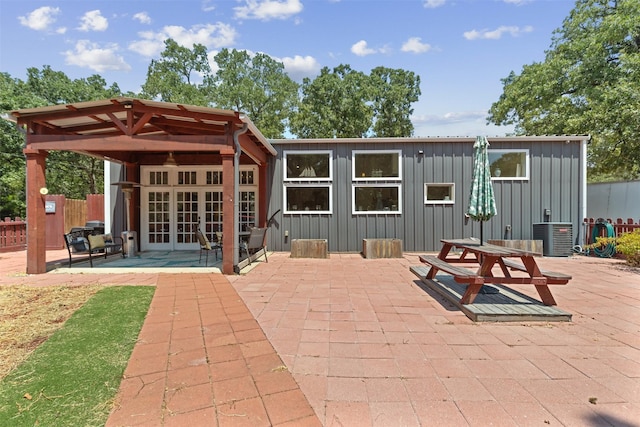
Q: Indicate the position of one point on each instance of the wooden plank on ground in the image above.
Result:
(508, 305)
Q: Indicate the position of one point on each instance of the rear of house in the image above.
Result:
(417, 189)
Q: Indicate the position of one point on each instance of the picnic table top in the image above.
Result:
(473, 245)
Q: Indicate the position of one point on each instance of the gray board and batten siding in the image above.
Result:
(556, 183)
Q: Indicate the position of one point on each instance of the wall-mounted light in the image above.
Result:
(127, 104)
(170, 162)
(421, 152)
(44, 191)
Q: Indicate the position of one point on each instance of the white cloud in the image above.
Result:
(266, 10)
(362, 49)
(41, 19)
(517, 2)
(497, 33)
(207, 6)
(449, 118)
(209, 35)
(100, 59)
(300, 67)
(93, 21)
(415, 45)
(432, 4)
(149, 46)
(142, 17)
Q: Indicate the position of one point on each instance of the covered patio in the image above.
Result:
(139, 133)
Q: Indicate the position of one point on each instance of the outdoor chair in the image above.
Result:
(205, 246)
(255, 243)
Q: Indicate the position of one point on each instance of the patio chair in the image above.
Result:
(205, 246)
(255, 242)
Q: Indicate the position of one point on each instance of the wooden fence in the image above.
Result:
(620, 226)
(76, 213)
(13, 235)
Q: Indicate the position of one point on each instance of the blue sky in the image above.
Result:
(459, 48)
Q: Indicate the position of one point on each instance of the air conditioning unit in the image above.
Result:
(557, 238)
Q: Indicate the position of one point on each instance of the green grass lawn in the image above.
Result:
(72, 378)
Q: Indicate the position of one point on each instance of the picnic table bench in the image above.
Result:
(460, 274)
(487, 256)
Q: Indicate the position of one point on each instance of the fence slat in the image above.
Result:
(13, 234)
(620, 226)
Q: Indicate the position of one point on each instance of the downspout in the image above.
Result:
(236, 193)
(582, 238)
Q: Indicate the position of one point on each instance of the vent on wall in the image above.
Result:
(556, 238)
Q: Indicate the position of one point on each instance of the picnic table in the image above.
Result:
(487, 256)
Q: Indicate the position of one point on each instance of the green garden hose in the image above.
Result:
(608, 250)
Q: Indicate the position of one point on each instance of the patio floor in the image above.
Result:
(348, 341)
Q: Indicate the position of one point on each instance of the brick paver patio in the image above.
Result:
(348, 341)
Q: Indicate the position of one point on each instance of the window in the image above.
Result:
(376, 165)
(371, 198)
(307, 182)
(509, 164)
(307, 198)
(214, 177)
(440, 193)
(187, 178)
(372, 193)
(307, 165)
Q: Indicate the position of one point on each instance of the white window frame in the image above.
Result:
(287, 153)
(513, 150)
(354, 186)
(286, 209)
(306, 182)
(354, 154)
(440, 202)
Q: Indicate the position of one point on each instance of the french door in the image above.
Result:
(171, 214)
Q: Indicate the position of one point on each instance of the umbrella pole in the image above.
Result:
(481, 227)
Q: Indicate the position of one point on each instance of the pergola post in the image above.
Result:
(36, 215)
(228, 221)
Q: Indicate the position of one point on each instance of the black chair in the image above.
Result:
(205, 246)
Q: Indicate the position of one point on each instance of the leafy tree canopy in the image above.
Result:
(344, 103)
(338, 103)
(180, 75)
(70, 174)
(589, 83)
(256, 85)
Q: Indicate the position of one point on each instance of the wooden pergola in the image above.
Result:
(135, 132)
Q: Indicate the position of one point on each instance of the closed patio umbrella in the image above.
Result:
(482, 203)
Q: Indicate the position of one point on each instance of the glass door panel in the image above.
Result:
(247, 210)
(158, 230)
(186, 218)
(212, 214)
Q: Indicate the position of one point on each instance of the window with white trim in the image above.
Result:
(376, 198)
(376, 165)
(376, 187)
(509, 164)
(308, 182)
(441, 193)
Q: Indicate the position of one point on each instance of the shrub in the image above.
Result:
(627, 244)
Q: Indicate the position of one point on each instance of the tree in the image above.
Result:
(71, 174)
(174, 77)
(336, 104)
(394, 90)
(66, 172)
(343, 103)
(256, 85)
(589, 83)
